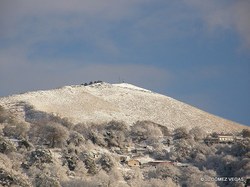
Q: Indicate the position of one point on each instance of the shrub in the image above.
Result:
(115, 138)
(214, 135)
(75, 138)
(44, 180)
(159, 183)
(136, 178)
(53, 133)
(106, 162)
(6, 146)
(79, 183)
(182, 150)
(8, 178)
(90, 165)
(246, 133)
(191, 176)
(165, 131)
(90, 132)
(181, 133)
(146, 130)
(97, 138)
(116, 126)
(23, 143)
(37, 158)
(71, 161)
(16, 130)
(165, 171)
(241, 148)
(113, 179)
(197, 133)
(242, 167)
(4, 115)
(115, 133)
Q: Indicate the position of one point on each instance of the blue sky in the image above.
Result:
(194, 51)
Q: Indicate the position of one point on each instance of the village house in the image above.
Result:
(221, 138)
(225, 138)
(134, 163)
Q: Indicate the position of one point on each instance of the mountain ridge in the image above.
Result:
(102, 102)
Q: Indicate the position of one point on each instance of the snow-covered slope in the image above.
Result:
(103, 102)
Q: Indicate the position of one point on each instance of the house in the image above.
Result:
(134, 163)
(220, 138)
(223, 138)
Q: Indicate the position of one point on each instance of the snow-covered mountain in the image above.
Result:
(103, 102)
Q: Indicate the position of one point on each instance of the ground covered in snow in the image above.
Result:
(102, 102)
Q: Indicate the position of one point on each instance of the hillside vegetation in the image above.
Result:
(42, 149)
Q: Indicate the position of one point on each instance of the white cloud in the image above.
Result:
(28, 22)
(225, 15)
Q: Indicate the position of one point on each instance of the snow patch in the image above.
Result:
(130, 86)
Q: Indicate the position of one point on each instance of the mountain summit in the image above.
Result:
(102, 102)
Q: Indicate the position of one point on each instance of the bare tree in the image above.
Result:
(197, 133)
(167, 170)
(181, 133)
(54, 133)
(182, 149)
(192, 176)
(6, 146)
(159, 183)
(246, 133)
(16, 129)
(106, 162)
(3, 115)
(146, 130)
